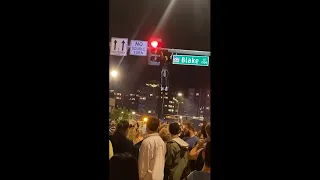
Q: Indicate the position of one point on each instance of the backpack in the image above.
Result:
(180, 154)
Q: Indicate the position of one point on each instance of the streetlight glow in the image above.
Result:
(180, 94)
(145, 119)
(114, 73)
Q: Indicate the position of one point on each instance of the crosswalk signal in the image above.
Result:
(154, 52)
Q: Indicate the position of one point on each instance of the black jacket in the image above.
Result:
(121, 144)
(136, 148)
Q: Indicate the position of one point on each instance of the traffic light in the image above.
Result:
(155, 43)
(154, 52)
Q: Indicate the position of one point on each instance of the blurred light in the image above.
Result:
(149, 111)
(145, 119)
(180, 117)
(180, 94)
(154, 44)
(133, 112)
(114, 73)
(122, 112)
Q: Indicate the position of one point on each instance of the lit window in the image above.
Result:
(208, 108)
(166, 93)
(132, 102)
(166, 97)
(149, 111)
(208, 95)
(165, 105)
(197, 94)
(151, 94)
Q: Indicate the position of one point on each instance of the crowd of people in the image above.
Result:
(156, 151)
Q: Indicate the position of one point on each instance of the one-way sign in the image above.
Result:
(119, 46)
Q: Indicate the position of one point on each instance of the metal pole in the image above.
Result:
(183, 51)
(193, 52)
(162, 104)
(199, 103)
(178, 107)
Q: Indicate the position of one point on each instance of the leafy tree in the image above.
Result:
(119, 114)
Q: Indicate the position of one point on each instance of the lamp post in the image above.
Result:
(179, 95)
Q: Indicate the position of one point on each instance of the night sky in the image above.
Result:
(187, 26)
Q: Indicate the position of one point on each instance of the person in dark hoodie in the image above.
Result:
(176, 156)
(119, 140)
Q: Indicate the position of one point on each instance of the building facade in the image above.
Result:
(197, 103)
(148, 98)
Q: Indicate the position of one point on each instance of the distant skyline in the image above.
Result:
(184, 91)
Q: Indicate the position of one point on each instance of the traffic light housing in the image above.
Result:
(154, 52)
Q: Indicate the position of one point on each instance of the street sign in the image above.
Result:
(119, 46)
(190, 60)
(138, 48)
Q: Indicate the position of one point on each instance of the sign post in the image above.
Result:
(190, 60)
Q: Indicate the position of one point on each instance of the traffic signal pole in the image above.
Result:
(184, 51)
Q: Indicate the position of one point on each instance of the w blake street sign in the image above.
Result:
(190, 60)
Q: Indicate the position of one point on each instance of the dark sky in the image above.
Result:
(187, 27)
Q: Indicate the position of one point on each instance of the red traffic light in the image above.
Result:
(154, 44)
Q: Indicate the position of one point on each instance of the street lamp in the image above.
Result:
(114, 73)
(179, 95)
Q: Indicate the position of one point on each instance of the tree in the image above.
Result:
(119, 114)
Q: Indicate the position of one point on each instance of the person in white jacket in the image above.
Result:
(152, 153)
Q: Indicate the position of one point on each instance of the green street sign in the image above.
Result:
(190, 60)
